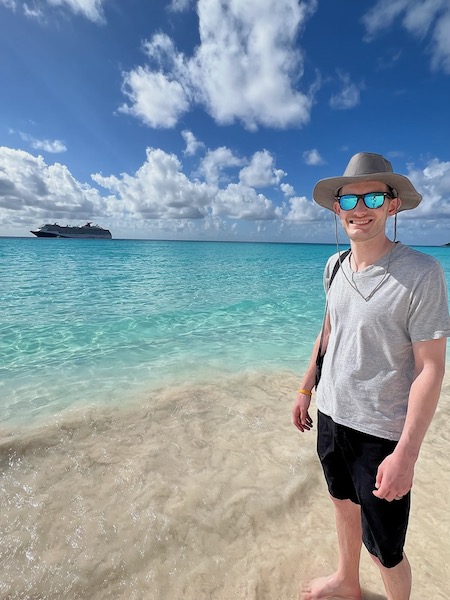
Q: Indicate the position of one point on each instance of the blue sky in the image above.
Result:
(213, 119)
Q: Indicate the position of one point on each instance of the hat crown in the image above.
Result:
(365, 163)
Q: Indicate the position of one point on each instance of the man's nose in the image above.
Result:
(360, 205)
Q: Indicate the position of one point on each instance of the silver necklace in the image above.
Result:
(352, 283)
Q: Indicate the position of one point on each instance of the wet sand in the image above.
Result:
(202, 491)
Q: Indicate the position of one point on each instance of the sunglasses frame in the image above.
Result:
(363, 197)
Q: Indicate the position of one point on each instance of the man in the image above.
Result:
(385, 339)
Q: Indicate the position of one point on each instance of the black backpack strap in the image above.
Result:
(338, 263)
(319, 357)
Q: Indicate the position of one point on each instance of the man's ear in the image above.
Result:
(337, 208)
(394, 206)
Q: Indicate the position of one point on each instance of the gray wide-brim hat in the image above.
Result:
(367, 167)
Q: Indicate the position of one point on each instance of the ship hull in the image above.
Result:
(43, 234)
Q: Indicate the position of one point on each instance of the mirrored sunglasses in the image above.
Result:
(371, 200)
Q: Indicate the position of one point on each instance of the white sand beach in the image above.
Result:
(197, 492)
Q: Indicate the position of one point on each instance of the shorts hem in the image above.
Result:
(345, 497)
(387, 563)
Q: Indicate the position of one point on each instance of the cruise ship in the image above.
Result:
(87, 231)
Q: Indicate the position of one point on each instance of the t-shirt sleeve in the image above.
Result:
(429, 315)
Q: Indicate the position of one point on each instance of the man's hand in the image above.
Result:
(300, 414)
(394, 476)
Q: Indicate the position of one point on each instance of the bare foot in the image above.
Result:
(330, 588)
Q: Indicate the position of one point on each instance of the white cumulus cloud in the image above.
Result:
(31, 188)
(287, 189)
(247, 65)
(261, 171)
(216, 162)
(242, 202)
(302, 209)
(433, 182)
(159, 189)
(192, 144)
(246, 68)
(154, 98)
(312, 157)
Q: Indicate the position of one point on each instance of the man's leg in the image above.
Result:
(397, 581)
(344, 583)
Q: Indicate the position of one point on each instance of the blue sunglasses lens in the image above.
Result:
(371, 200)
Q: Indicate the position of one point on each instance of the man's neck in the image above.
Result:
(367, 252)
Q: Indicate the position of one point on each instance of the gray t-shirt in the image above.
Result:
(368, 368)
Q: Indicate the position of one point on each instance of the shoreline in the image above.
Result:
(283, 382)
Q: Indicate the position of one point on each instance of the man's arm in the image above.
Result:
(300, 414)
(395, 473)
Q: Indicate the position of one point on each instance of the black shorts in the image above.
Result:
(350, 460)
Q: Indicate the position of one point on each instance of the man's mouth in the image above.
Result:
(359, 221)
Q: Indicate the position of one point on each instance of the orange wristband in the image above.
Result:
(307, 392)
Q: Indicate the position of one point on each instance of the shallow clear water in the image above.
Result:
(94, 321)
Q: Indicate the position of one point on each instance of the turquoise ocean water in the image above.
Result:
(146, 448)
(86, 322)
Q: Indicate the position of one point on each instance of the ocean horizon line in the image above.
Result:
(265, 242)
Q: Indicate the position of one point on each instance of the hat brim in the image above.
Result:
(325, 190)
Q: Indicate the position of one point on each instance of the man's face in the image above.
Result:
(362, 223)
